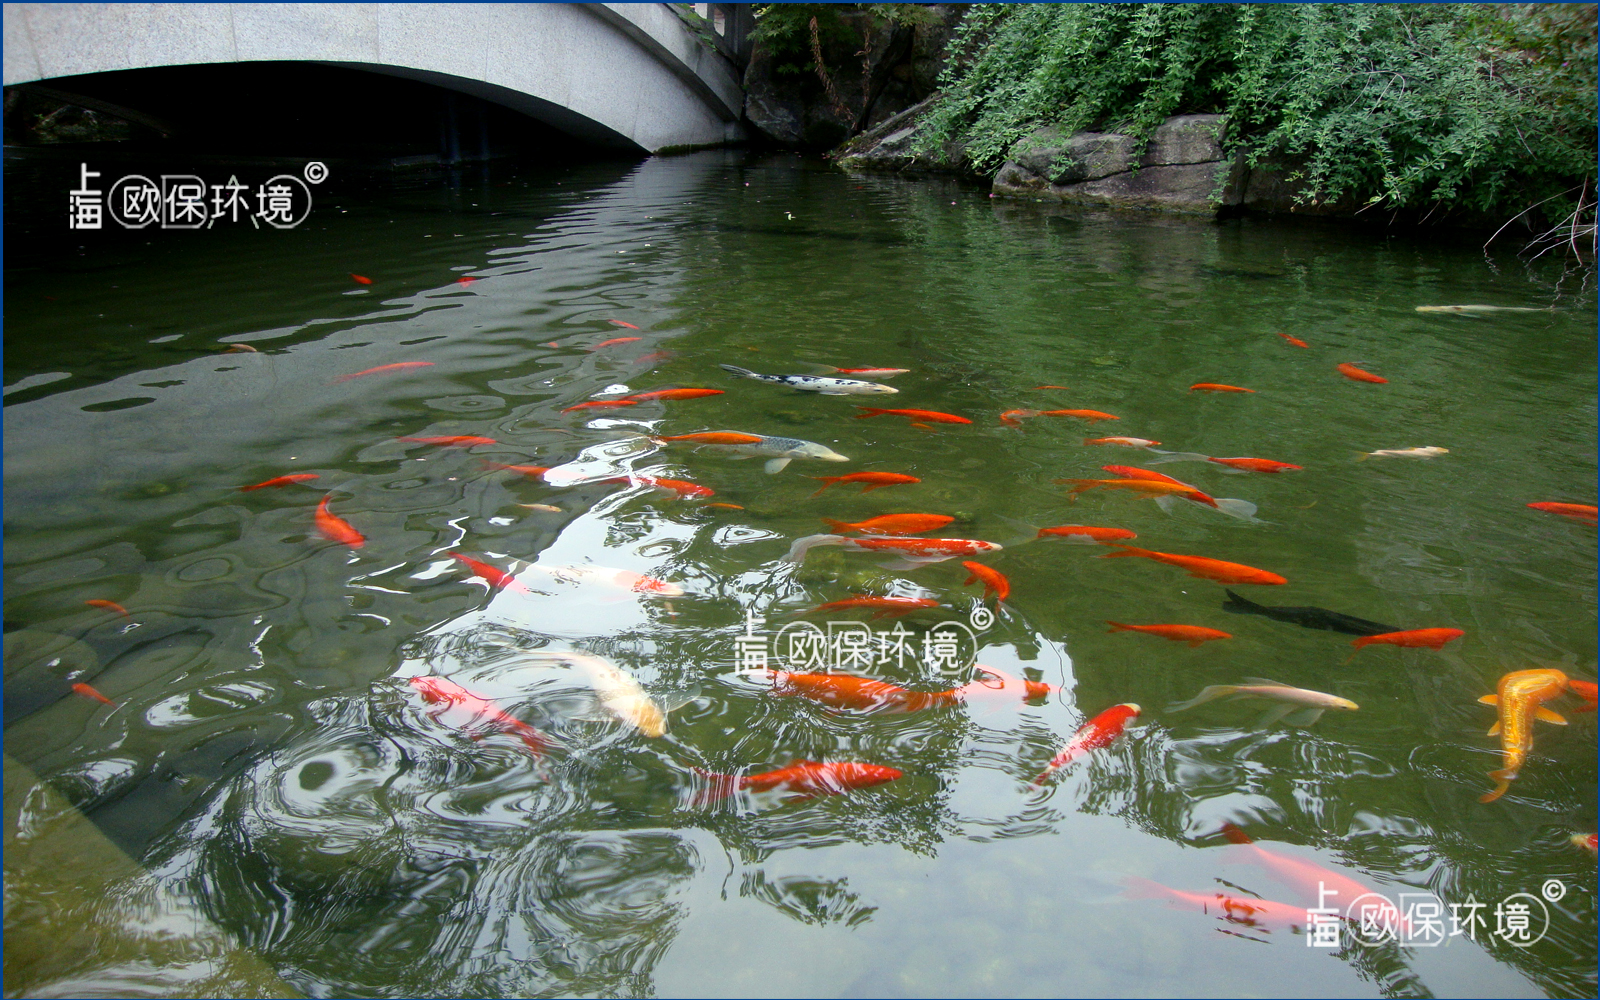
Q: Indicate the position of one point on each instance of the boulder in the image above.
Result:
(890, 144)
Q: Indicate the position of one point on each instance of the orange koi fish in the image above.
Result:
(883, 607)
(994, 581)
(891, 524)
(652, 358)
(1125, 442)
(298, 477)
(1586, 690)
(1518, 699)
(531, 471)
(601, 404)
(1089, 415)
(439, 691)
(618, 322)
(498, 579)
(1201, 567)
(465, 279)
(1092, 735)
(1350, 371)
(1582, 512)
(856, 693)
(453, 441)
(640, 397)
(874, 480)
(877, 372)
(999, 682)
(1429, 638)
(1085, 533)
(335, 528)
(1194, 635)
(912, 552)
(806, 778)
(713, 437)
(725, 506)
(1305, 875)
(615, 340)
(89, 692)
(1255, 913)
(1255, 464)
(679, 486)
(1296, 341)
(917, 416)
(397, 366)
(360, 280)
(1134, 472)
(1217, 387)
(1153, 487)
(109, 606)
(240, 349)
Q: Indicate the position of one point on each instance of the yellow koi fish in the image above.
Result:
(1518, 699)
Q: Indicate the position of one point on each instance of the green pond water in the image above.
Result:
(268, 760)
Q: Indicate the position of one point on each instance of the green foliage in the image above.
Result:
(785, 28)
(1490, 107)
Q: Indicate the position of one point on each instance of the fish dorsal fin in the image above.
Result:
(1545, 715)
(1494, 730)
(1266, 680)
(1490, 699)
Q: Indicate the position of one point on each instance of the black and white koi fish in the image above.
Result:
(816, 383)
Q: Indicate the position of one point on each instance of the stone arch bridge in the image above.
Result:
(628, 75)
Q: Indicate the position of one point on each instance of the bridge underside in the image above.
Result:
(621, 75)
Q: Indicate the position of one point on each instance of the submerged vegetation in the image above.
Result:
(1486, 110)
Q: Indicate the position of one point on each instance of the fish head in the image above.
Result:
(649, 584)
(1344, 703)
(809, 449)
(432, 689)
(874, 389)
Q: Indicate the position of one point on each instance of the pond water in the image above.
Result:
(268, 758)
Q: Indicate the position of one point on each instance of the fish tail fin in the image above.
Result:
(826, 481)
(839, 527)
(1236, 508)
(1237, 604)
(1118, 627)
(797, 551)
(1206, 694)
(1128, 551)
(1178, 456)
(740, 372)
(868, 411)
(1235, 835)
(1134, 887)
(1502, 785)
(718, 787)
(1362, 457)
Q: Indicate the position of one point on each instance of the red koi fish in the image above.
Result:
(640, 397)
(397, 366)
(994, 581)
(1149, 475)
(1143, 484)
(360, 280)
(725, 506)
(654, 357)
(917, 416)
(618, 322)
(876, 372)
(1217, 387)
(1092, 735)
(1308, 876)
(1194, 635)
(883, 607)
(712, 437)
(439, 691)
(1586, 690)
(531, 471)
(912, 551)
(1350, 371)
(873, 480)
(453, 441)
(498, 579)
(1262, 913)
(806, 778)
(615, 340)
(1089, 415)
(337, 529)
(298, 477)
(856, 693)
(1125, 442)
(1426, 638)
(465, 279)
(1201, 567)
(1085, 533)
(1296, 341)
(1582, 512)
(89, 692)
(1049, 387)
(601, 404)
(1255, 464)
(109, 606)
(679, 486)
(891, 524)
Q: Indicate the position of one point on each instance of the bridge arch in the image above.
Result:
(625, 75)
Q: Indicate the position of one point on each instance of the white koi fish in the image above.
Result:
(619, 693)
(619, 579)
(778, 451)
(1306, 705)
(1406, 453)
(816, 383)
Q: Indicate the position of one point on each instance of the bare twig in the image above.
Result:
(822, 71)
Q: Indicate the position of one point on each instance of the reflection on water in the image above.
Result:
(268, 756)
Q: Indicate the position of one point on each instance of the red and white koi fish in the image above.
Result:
(912, 552)
(89, 692)
(449, 694)
(994, 581)
(1258, 913)
(1092, 735)
(397, 366)
(1194, 635)
(806, 778)
(337, 529)
(1588, 841)
(452, 441)
(298, 477)
(109, 606)
(498, 579)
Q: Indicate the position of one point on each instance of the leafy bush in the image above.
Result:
(1487, 107)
